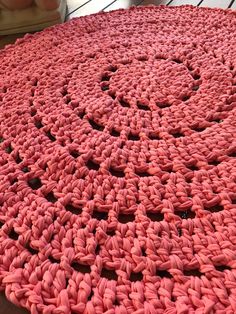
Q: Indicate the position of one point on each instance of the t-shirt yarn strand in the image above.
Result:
(117, 164)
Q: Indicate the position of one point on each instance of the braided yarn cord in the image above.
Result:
(117, 164)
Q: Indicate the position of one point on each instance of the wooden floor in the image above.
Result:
(78, 8)
(84, 7)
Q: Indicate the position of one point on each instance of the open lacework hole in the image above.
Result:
(185, 98)
(136, 277)
(18, 159)
(81, 268)
(193, 167)
(105, 77)
(185, 214)
(115, 133)
(13, 235)
(35, 183)
(8, 149)
(124, 103)
(195, 87)
(177, 61)
(196, 76)
(33, 112)
(97, 250)
(117, 173)
(112, 95)
(25, 169)
(74, 154)
(109, 274)
(198, 129)
(143, 174)
(91, 165)
(95, 125)
(31, 250)
(233, 200)
(44, 166)
(222, 267)
(67, 100)
(163, 274)
(64, 91)
(215, 209)
(112, 68)
(94, 230)
(179, 230)
(177, 134)
(215, 120)
(143, 106)
(50, 136)
(155, 216)
(1, 139)
(38, 124)
(143, 251)
(125, 218)
(67, 281)
(160, 57)
(53, 260)
(89, 297)
(116, 302)
(81, 114)
(1, 224)
(99, 215)
(154, 136)
(232, 154)
(219, 120)
(192, 272)
(214, 162)
(111, 232)
(133, 137)
(188, 178)
(51, 198)
(163, 105)
(13, 181)
(4, 89)
(74, 210)
(104, 87)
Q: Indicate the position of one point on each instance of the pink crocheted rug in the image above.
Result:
(117, 164)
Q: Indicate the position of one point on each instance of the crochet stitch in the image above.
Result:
(117, 164)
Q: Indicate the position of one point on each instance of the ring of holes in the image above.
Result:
(35, 183)
(105, 78)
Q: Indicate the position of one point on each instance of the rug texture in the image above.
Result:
(118, 164)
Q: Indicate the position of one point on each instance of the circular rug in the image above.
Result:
(117, 164)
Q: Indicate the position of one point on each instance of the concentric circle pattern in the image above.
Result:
(117, 164)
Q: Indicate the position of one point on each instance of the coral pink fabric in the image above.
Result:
(117, 164)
